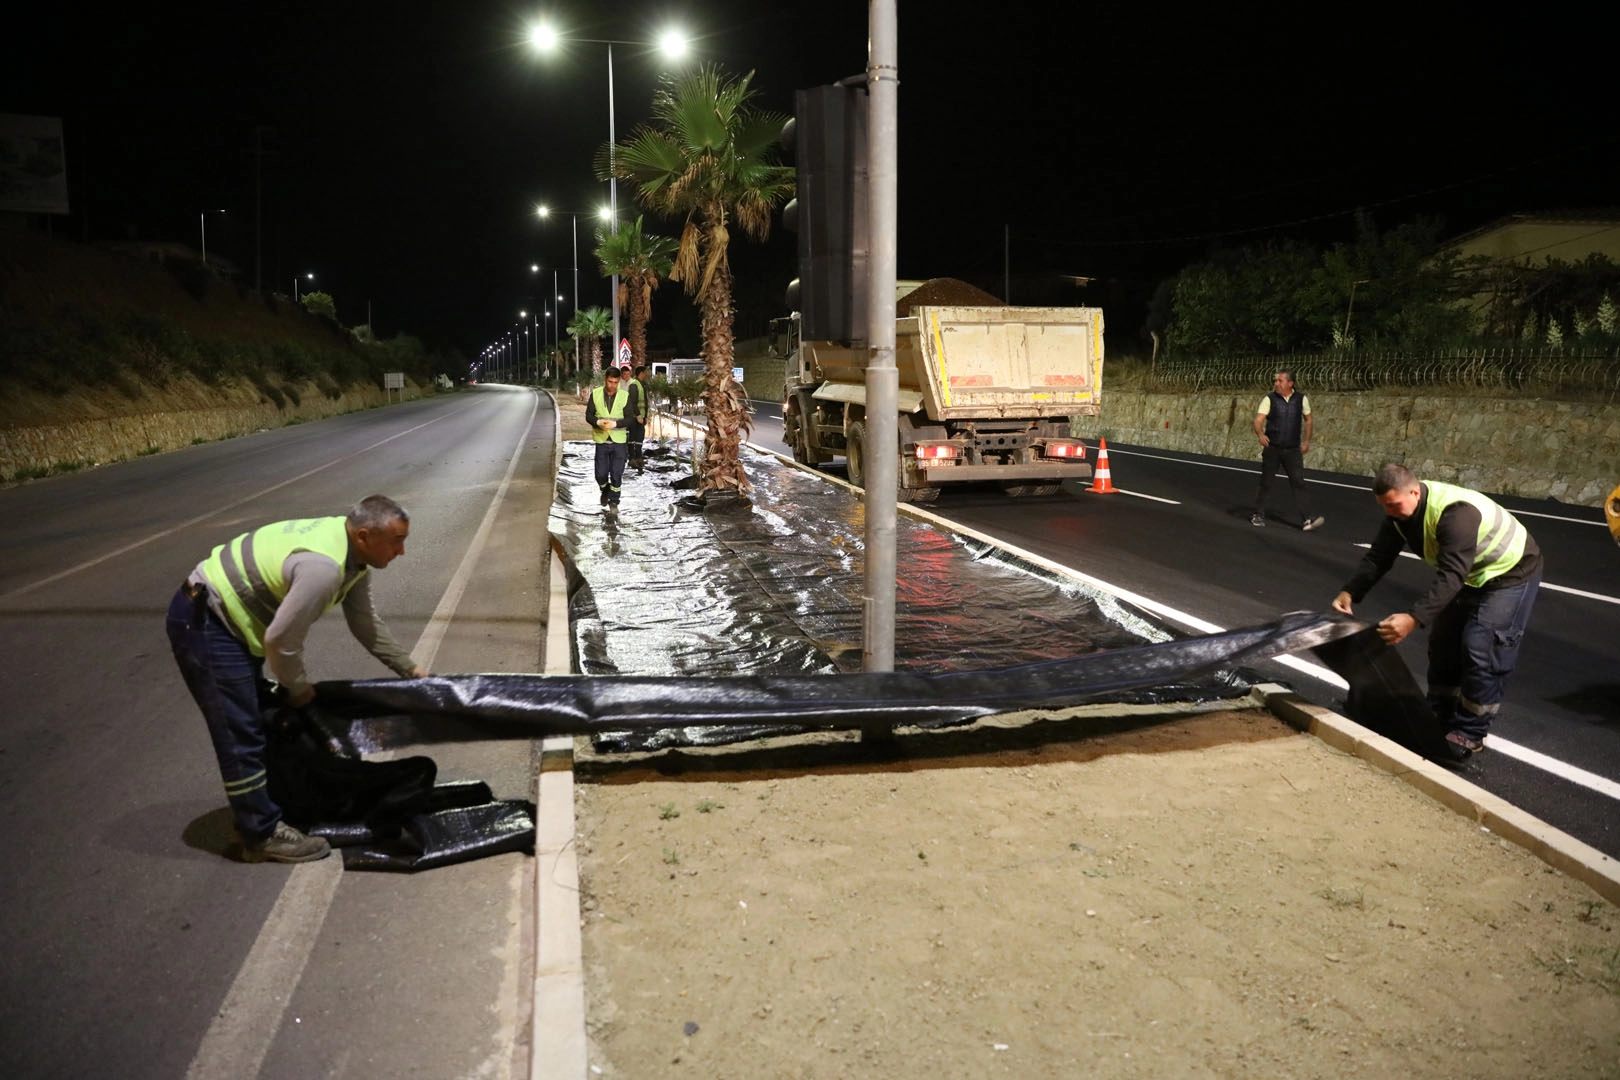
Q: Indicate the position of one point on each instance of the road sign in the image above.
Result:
(624, 351)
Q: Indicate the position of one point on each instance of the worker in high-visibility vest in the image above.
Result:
(607, 412)
(248, 607)
(1487, 573)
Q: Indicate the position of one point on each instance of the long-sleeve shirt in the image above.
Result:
(1456, 539)
(312, 581)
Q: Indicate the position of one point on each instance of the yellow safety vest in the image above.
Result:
(1501, 538)
(619, 433)
(246, 573)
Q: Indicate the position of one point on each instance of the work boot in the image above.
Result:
(1257, 519)
(1314, 523)
(287, 845)
(1460, 747)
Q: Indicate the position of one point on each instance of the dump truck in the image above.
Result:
(986, 393)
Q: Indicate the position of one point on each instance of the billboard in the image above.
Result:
(33, 165)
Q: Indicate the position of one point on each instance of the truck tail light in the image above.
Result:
(1063, 448)
(936, 452)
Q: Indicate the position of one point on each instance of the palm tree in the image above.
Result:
(592, 324)
(709, 156)
(640, 259)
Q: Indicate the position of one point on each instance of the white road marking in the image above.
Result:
(1329, 483)
(1155, 498)
(1591, 780)
(216, 512)
(255, 1007)
(1544, 584)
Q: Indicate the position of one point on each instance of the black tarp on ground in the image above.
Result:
(774, 588)
(1384, 695)
(384, 815)
(639, 710)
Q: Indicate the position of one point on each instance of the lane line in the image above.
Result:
(1544, 584)
(1331, 483)
(1155, 498)
(1573, 773)
(1562, 769)
(99, 559)
(255, 1007)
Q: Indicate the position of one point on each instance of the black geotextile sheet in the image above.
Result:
(773, 587)
(384, 815)
(697, 627)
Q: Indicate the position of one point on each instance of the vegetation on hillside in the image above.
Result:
(75, 317)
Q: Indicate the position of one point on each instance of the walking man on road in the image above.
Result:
(639, 411)
(1487, 572)
(607, 412)
(1283, 425)
(247, 607)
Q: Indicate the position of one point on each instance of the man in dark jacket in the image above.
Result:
(1487, 573)
(1283, 425)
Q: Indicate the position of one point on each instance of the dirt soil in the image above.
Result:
(1209, 895)
(944, 291)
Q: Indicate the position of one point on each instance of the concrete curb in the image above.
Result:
(557, 1042)
(1552, 846)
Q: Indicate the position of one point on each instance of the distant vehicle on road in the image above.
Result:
(986, 393)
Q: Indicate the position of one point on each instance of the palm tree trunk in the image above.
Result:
(722, 466)
(639, 313)
(596, 359)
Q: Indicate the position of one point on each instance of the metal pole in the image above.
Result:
(202, 219)
(613, 200)
(882, 377)
(576, 290)
(1006, 264)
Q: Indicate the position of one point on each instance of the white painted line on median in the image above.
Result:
(1328, 483)
(1544, 584)
(255, 1007)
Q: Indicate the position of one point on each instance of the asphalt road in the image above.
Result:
(131, 946)
(1182, 537)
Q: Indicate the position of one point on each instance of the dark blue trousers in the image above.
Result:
(610, 461)
(227, 682)
(1473, 646)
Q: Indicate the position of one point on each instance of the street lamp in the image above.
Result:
(672, 43)
(310, 276)
(605, 213)
(202, 221)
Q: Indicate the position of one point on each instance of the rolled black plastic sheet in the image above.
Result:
(383, 713)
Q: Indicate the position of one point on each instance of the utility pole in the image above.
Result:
(259, 153)
(882, 376)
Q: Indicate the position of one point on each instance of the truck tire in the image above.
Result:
(855, 453)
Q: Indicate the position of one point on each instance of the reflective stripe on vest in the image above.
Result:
(246, 573)
(621, 398)
(1501, 540)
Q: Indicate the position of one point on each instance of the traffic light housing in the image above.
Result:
(830, 212)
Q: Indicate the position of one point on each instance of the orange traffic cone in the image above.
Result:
(1102, 481)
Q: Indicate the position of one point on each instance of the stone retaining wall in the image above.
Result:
(1562, 450)
(99, 440)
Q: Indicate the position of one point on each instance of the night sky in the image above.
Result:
(409, 142)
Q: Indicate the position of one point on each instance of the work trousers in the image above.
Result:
(228, 684)
(1293, 463)
(1473, 646)
(610, 460)
(637, 435)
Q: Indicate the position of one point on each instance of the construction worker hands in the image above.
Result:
(302, 697)
(1341, 604)
(1394, 628)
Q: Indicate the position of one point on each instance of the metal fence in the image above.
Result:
(1542, 371)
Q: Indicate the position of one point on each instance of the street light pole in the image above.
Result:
(613, 200)
(310, 276)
